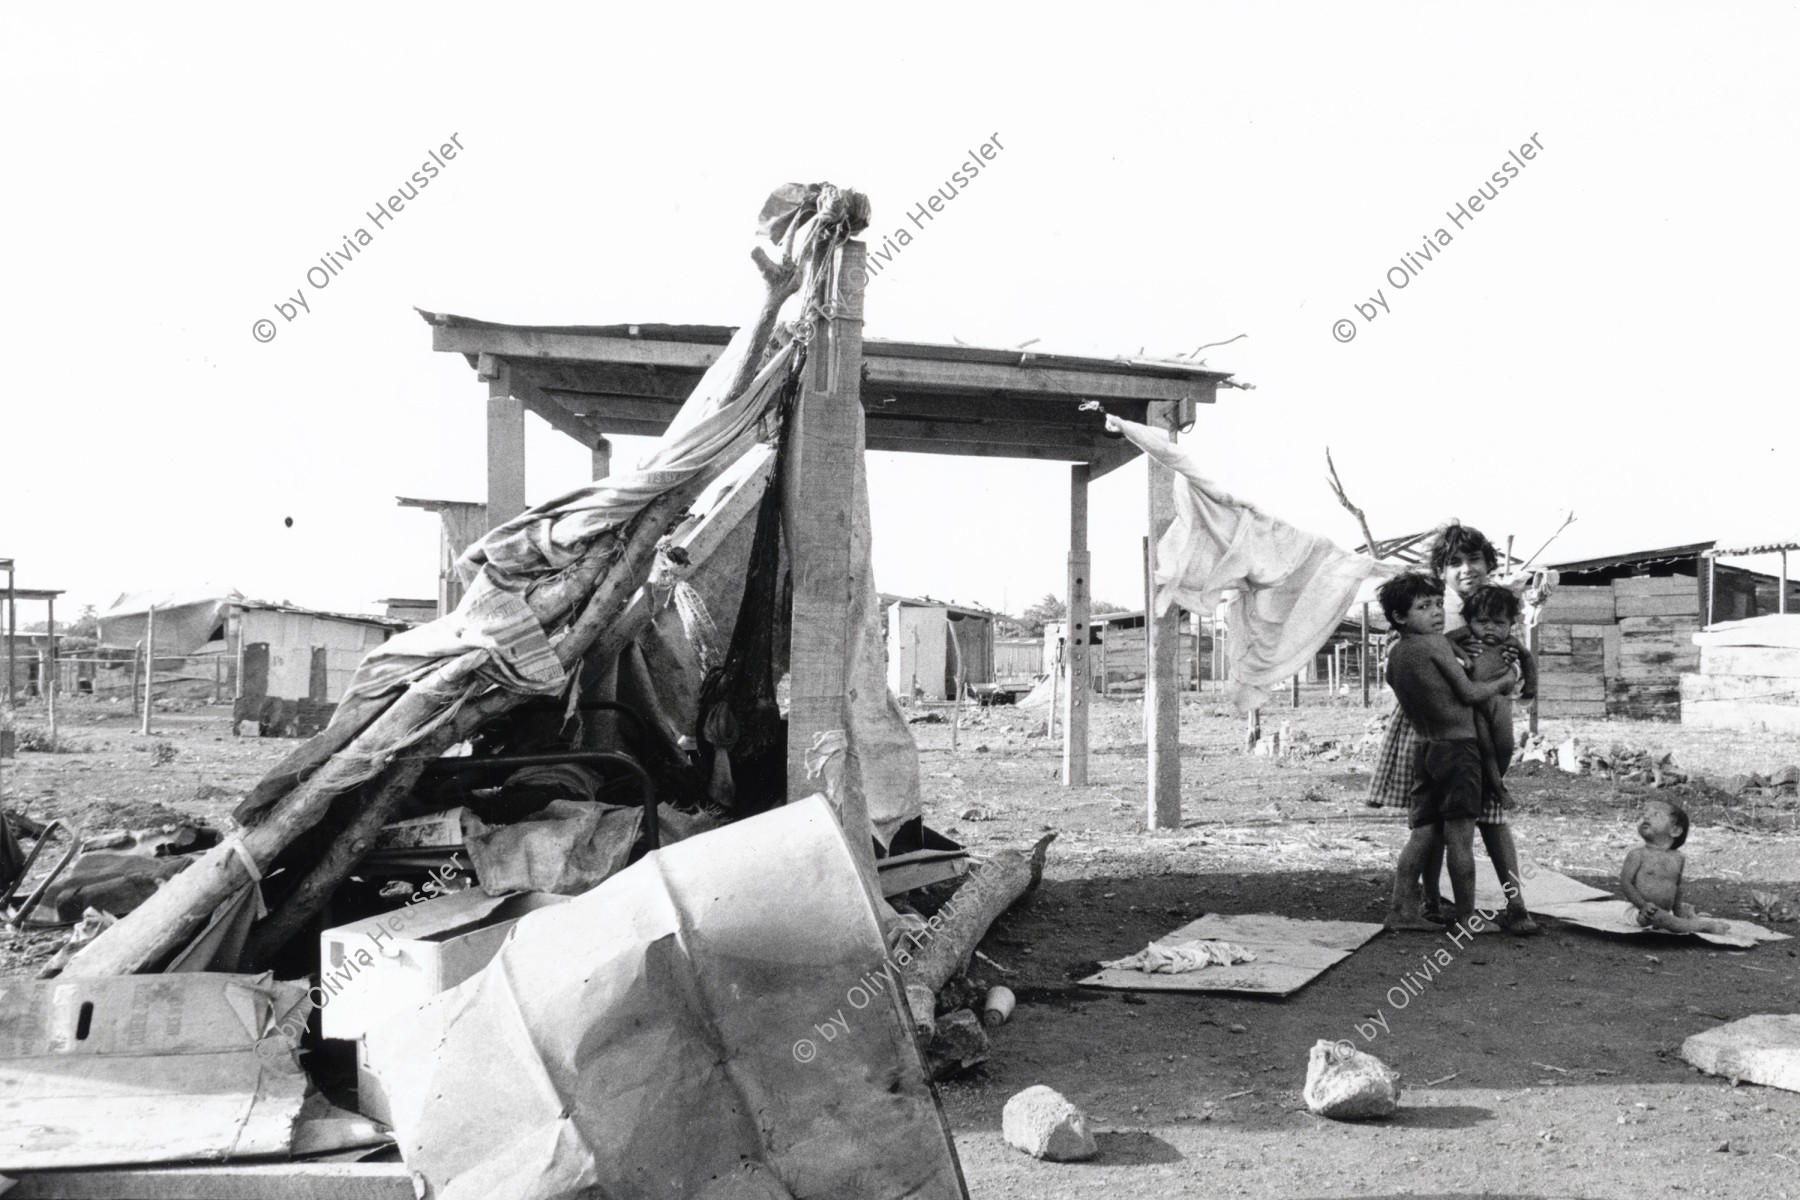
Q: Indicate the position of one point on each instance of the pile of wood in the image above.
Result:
(1618, 649)
(1744, 687)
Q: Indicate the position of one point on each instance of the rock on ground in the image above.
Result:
(1042, 1123)
(1347, 1085)
(957, 1043)
(1763, 1049)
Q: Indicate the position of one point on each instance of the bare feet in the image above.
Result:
(1399, 920)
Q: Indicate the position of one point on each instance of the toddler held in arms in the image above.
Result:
(1651, 877)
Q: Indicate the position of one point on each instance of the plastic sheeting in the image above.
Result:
(714, 1022)
(1290, 587)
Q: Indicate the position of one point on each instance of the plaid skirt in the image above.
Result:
(1396, 770)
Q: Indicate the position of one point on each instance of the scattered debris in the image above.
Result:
(1349, 1085)
(998, 1006)
(1043, 1124)
(958, 1042)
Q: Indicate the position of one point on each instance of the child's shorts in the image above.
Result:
(1449, 783)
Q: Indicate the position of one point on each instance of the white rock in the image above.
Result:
(1347, 1085)
(1043, 1124)
(1763, 1049)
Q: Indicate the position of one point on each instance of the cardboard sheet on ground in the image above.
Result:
(1612, 915)
(1543, 887)
(712, 1023)
(147, 1069)
(1290, 954)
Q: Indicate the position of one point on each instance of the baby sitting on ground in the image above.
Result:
(1651, 877)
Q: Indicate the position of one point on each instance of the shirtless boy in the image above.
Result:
(1651, 877)
(1438, 697)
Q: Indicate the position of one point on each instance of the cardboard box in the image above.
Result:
(134, 1069)
(374, 968)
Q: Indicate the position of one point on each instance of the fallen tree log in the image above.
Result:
(942, 951)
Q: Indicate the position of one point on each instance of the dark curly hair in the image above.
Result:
(1457, 539)
(1400, 593)
(1492, 601)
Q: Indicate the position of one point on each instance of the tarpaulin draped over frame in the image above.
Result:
(493, 637)
(712, 1022)
(1291, 587)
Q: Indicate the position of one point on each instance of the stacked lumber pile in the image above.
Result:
(1744, 685)
(1658, 619)
(1577, 635)
(1619, 649)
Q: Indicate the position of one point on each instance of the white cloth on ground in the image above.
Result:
(1178, 958)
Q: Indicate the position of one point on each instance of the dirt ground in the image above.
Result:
(1543, 1067)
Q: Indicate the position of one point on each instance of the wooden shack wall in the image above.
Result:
(1619, 649)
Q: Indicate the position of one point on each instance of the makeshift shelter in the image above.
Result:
(591, 381)
(37, 665)
(294, 664)
(1616, 633)
(932, 646)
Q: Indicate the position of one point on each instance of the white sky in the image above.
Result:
(1610, 335)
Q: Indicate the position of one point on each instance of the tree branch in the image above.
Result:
(1337, 488)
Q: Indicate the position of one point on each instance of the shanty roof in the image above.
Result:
(1666, 554)
(593, 380)
(888, 600)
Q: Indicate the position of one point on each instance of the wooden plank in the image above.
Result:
(1683, 605)
(1075, 646)
(1567, 603)
(1670, 585)
(1782, 661)
(1610, 644)
(505, 452)
(1572, 687)
(1680, 628)
(1554, 639)
(1078, 385)
(1162, 685)
(822, 478)
(897, 366)
(258, 1181)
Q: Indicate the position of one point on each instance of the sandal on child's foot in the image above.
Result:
(1518, 922)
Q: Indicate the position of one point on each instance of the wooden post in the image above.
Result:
(602, 458)
(1781, 600)
(1075, 640)
(1362, 655)
(505, 447)
(1162, 638)
(12, 629)
(1296, 691)
(1712, 586)
(1533, 640)
(1056, 670)
(149, 666)
(135, 696)
(826, 443)
(52, 669)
